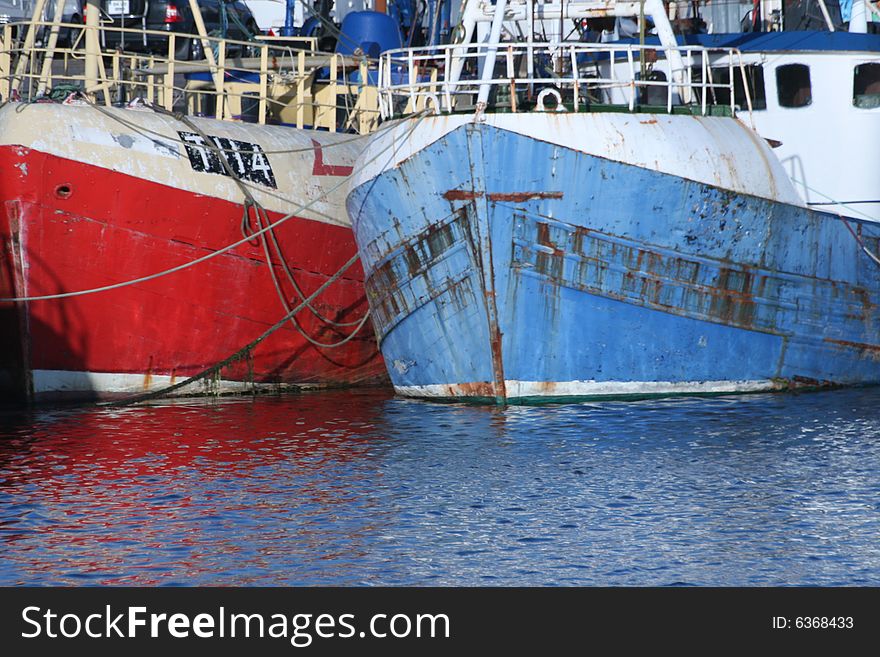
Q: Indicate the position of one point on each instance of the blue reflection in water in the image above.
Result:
(361, 488)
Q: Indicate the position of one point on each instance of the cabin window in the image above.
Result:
(793, 85)
(866, 86)
(721, 96)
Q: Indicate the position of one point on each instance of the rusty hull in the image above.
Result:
(562, 274)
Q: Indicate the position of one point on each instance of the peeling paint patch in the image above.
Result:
(402, 366)
(23, 167)
(135, 143)
(126, 141)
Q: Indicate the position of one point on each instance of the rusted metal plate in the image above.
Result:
(606, 276)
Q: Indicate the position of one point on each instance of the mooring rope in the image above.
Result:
(251, 202)
(246, 350)
(395, 146)
(238, 355)
(263, 214)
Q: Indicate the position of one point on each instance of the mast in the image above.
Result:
(530, 58)
(491, 54)
(290, 10)
(469, 14)
(858, 20)
(670, 45)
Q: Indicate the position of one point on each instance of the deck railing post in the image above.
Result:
(264, 81)
(27, 49)
(300, 89)
(46, 72)
(6, 62)
(221, 104)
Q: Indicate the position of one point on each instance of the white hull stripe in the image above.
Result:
(66, 382)
(523, 389)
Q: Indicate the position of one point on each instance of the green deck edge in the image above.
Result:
(601, 108)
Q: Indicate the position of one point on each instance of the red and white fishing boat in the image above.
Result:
(94, 196)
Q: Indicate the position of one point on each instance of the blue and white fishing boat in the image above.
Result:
(551, 222)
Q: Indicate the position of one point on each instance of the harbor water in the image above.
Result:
(361, 488)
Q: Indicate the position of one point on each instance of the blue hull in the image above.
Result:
(503, 267)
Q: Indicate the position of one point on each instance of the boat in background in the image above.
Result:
(133, 164)
(548, 234)
(814, 93)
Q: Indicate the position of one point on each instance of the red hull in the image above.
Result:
(81, 226)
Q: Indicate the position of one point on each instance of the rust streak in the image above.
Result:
(500, 392)
(865, 301)
(461, 195)
(875, 348)
(517, 197)
(19, 289)
(798, 382)
(544, 234)
(477, 389)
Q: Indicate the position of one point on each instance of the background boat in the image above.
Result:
(130, 164)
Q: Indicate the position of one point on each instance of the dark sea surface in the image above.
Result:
(360, 488)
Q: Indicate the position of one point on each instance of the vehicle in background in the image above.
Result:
(13, 11)
(223, 18)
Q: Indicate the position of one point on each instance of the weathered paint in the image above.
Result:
(615, 278)
(104, 215)
(713, 150)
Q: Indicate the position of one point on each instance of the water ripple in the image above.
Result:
(363, 489)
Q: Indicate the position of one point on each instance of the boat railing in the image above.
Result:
(560, 77)
(279, 80)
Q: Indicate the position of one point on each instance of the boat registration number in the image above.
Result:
(246, 160)
(116, 7)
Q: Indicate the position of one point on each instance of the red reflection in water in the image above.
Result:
(98, 489)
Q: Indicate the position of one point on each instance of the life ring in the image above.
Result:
(544, 93)
(432, 97)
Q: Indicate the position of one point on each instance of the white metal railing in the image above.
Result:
(267, 80)
(578, 76)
